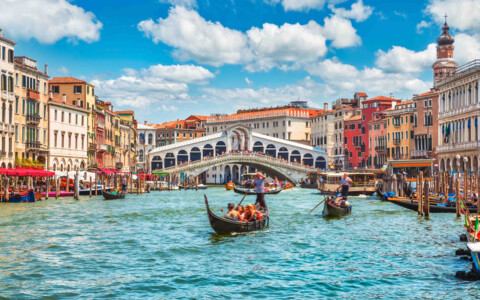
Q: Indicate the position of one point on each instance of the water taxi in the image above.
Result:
(363, 183)
(229, 186)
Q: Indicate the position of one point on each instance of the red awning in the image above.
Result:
(114, 171)
(106, 171)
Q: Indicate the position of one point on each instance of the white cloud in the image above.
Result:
(358, 11)
(341, 32)
(48, 21)
(299, 5)
(259, 49)
(462, 14)
(467, 48)
(400, 14)
(248, 81)
(421, 25)
(158, 86)
(403, 60)
(347, 78)
(186, 3)
(63, 70)
(285, 45)
(195, 38)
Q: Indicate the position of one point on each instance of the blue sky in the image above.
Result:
(167, 59)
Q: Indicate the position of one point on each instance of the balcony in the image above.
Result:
(118, 165)
(465, 146)
(101, 125)
(102, 148)
(397, 141)
(33, 145)
(420, 154)
(380, 148)
(33, 119)
(11, 97)
(32, 94)
(4, 95)
(3, 153)
(10, 154)
(92, 147)
(396, 124)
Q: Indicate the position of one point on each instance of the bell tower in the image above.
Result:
(444, 66)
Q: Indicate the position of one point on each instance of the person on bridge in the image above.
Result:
(259, 184)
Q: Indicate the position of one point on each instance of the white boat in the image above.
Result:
(474, 248)
(363, 183)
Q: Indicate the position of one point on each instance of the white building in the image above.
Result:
(323, 133)
(67, 130)
(146, 142)
(7, 70)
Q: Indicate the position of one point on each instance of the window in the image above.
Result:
(425, 103)
(76, 119)
(55, 115)
(69, 141)
(77, 89)
(63, 139)
(83, 140)
(23, 134)
(16, 105)
(82, 120)
(69, 118)
(23, 107)
(55, 89)
(24, 81)
(44, 111)
(76, 141)
(63, 117)
(45, 136)
(289, 124)
(88, 90)
(16, 133)
(430, 103)
(365, 106)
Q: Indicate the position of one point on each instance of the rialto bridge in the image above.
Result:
(239, 145)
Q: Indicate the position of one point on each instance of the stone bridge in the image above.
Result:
(283, 169)
(238, 138)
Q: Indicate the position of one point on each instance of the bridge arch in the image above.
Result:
(320, 163)
(235, 171)
(220, 148)
(195, 154)
(271, 150)
(307, 159)
(258, 147)
(207, 150)
(228, 173)
(283, 153)
(182, 156)
(157, 163)
(170, 160)
(295, 156)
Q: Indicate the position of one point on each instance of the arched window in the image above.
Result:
(150, 139)
(140, 155)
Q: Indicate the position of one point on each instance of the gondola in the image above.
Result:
(330, 210)
(111, 196)
(222, 225)
(434, 208)
(252, 192)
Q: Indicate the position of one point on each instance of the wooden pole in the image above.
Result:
(138, 184)
(48, 187)
(7, 194)
(56, 188)
(90, 187)
(68, 184)
(457, 196)
(196, 183)
(76, 183)
(427, 199)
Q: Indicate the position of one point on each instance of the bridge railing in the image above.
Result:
(272, 160)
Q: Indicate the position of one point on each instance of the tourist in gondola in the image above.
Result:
(241, 212)
(252, 214)
(259, 185)
(345, 183)
(232, 214)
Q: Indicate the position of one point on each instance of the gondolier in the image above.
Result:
(345, 183)
(259, 185)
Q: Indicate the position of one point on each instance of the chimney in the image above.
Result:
(64, 99)
(50, 95)
(325, 107)
(145, 122)
(46, 68)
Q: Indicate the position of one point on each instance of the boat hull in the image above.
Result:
(330, 210)
(225, 226)
(110, 196)
(250, 192)
(30, 197)
(433, 207)
(474, 248)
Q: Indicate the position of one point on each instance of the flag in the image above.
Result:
(476, 224)
(466, 222)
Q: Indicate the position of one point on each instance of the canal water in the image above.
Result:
(160, 245)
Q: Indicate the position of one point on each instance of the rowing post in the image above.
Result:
(90, 187)
(419, 196)
(76, 184)
(7, 194)
(457, 196)
(56, 187)
(130, 178)
(465, 187)
(68, 184)
(168, 183)
(48, 187)
(138, 184)
(196, 183)
(427, 199)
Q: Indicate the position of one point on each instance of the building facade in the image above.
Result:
(67, 136)
(7, 90)
(425, 125)
(353, 142)
(146, 142)
(400, 124)
(322, 135)
(378, 140)
(180, 130)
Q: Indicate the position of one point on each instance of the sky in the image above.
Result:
(168, 59)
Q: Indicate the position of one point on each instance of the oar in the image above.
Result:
(244, 196)
(324, 199)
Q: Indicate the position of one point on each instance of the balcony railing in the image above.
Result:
(4, 95)
(92, 147)
(33, 145)
(11, 97)
(380, 148)
(458, 147)
(102, 148)
(397, 141)
(396, 124)
(118, 165)
(420, 153)
(33, 119)
(32, 94)
(10, 154)
(3, 153)
(101, 125)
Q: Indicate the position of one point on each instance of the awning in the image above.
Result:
(160, 173)
(106, 171)
(114, 171)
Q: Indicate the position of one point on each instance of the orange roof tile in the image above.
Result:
(429, 93)
(65, 80)
(125, 112)
(362, 94)
(382, 98)
(355, 118)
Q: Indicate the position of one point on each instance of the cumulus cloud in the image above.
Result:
(299, 5)
(288, 44)
(421, 25)
(467, 48)
(343, 77)
(461, 13)
(341, 32)
(403, 60)
(48, 21)
(259, 49)
(248, 81)
(158, 86)
(358, 11)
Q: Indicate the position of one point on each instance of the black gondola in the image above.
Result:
(434, 208)
(251, 192)
(111, 196)
(222, 225)
(331, 210)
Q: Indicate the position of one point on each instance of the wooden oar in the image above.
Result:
(324, 199)
(244, 196)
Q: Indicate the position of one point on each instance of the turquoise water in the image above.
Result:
(160, 245)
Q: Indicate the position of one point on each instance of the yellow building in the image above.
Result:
(81, 94)
(31, 114)
(400, 125)
(128, 138)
